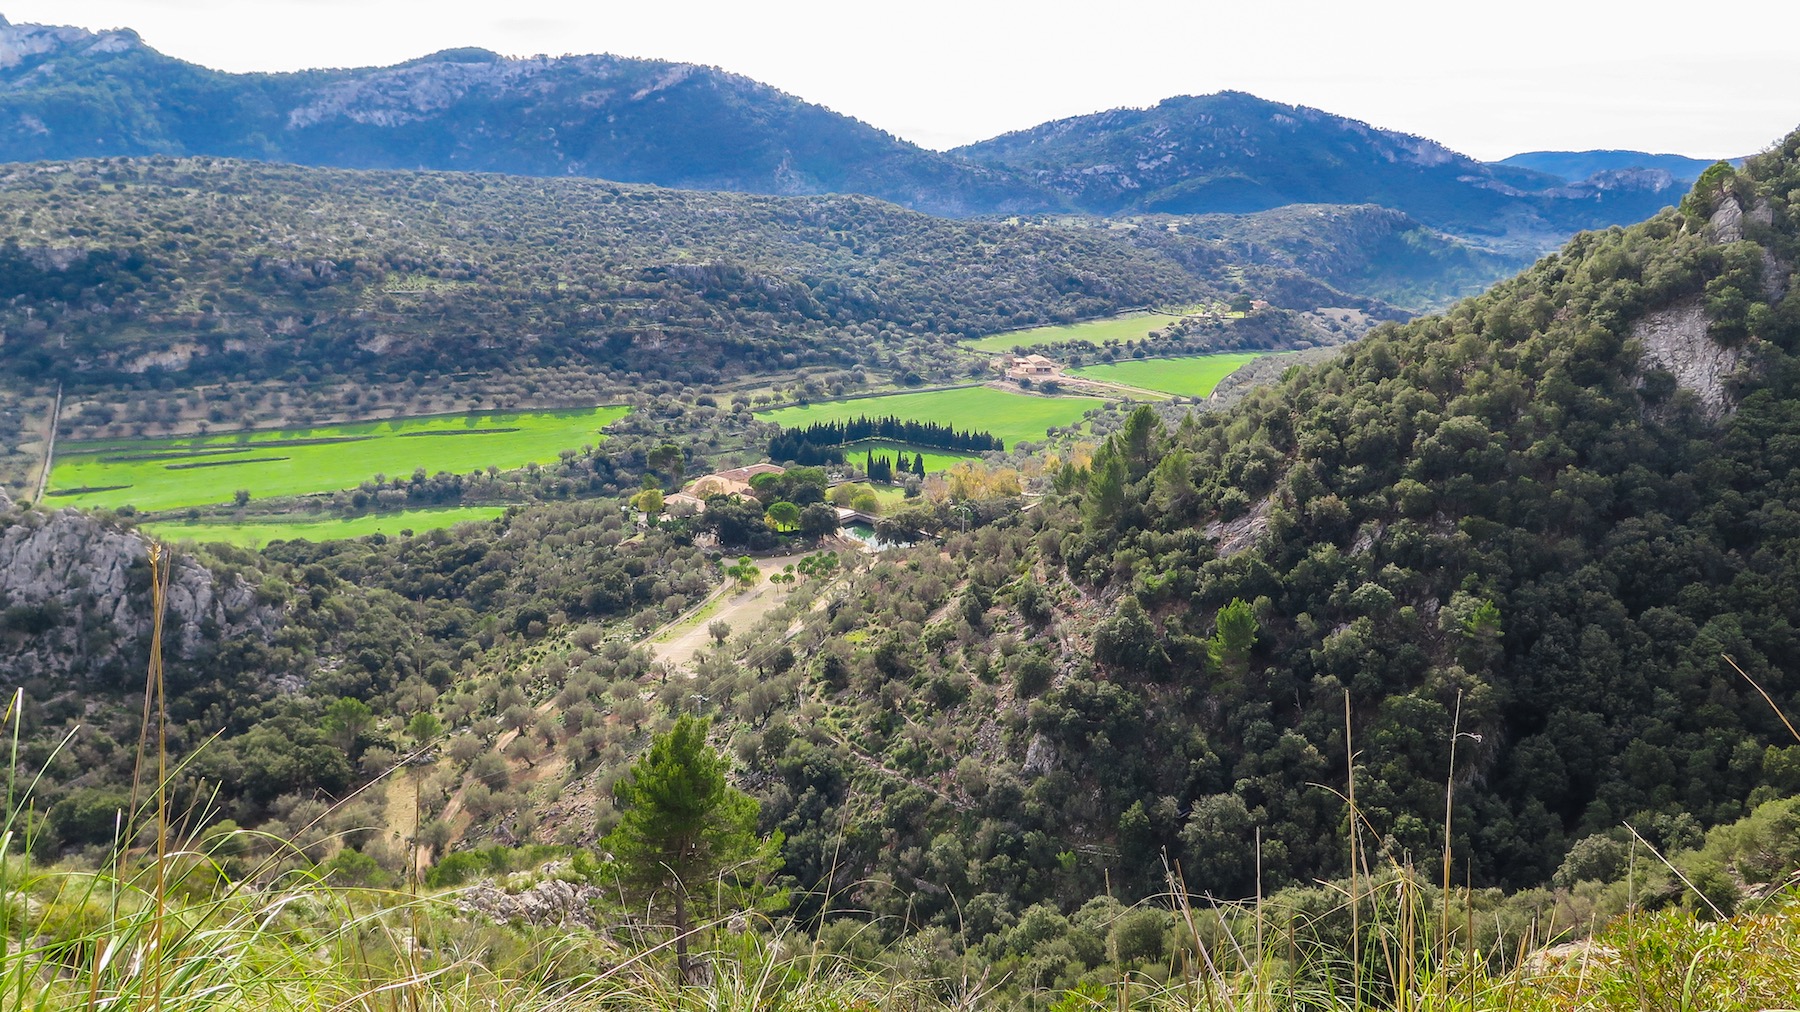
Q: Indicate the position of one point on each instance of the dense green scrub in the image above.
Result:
(1505, 512)
(166, 474)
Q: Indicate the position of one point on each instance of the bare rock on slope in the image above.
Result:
(75, 593)
(1234, 536)
(1676, 338)
(551, 902)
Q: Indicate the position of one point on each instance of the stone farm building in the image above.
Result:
(1029, 367)
(733, 482)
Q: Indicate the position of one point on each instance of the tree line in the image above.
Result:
(884, 467)
(822, 442)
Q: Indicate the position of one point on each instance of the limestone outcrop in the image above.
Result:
(552, 902)
(1676, 338)
(75, 599)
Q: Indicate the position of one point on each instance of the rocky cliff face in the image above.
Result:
(75, 599)
(19, 43)
(1678, 338)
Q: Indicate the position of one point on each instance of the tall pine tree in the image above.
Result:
(683, 829)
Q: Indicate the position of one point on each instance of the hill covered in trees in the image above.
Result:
(1575, 166)
(116, 272)
(67, 93)
(1544, 517)
(1235, 153)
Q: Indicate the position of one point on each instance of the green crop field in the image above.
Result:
(935, 460)
(1012, 417)
(162, 474)
(1125, 327)
(1187, 377)
(258, 534)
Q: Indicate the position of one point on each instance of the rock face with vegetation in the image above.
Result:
(75, 594)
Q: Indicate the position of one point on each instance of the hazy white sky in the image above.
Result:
(1488, 79)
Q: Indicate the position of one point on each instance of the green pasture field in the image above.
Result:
(258, 534)
(1124, 327)
(163, 474)
(892, 497)
(1187, 377)
(935, 460)
(1012, 417)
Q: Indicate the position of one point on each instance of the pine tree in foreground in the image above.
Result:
(685, 830)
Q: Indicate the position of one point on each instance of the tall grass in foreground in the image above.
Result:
(171, 924)
(1416, 946)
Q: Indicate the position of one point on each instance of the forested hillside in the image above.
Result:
(229, 269)
(199, 270)
(1543, 518)
(1369, 250)
(1555, 508)
(67, 93)
(1236, 153)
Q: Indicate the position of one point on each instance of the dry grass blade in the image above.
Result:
(1764, 693)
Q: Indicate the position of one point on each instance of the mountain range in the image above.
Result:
(1578, 165)
(1234, 153)
(69, 93)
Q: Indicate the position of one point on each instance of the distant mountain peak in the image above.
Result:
(1576, 166)
(1233, 152)
(72, 93)
(463, 54)
(22, 42)
(611, 117)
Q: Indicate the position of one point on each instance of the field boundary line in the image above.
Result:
(43, 483)
(868, 396)
(1258, 352)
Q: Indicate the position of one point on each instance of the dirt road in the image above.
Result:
(679, 641)
(43, 482)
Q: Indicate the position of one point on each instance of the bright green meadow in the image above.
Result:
(935, 460)
(162, 474)
(1012, 417)
(1125, 327)
(255, 534)
(1186, 377)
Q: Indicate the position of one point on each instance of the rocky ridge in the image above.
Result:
(75, 598)
(1678, 339)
